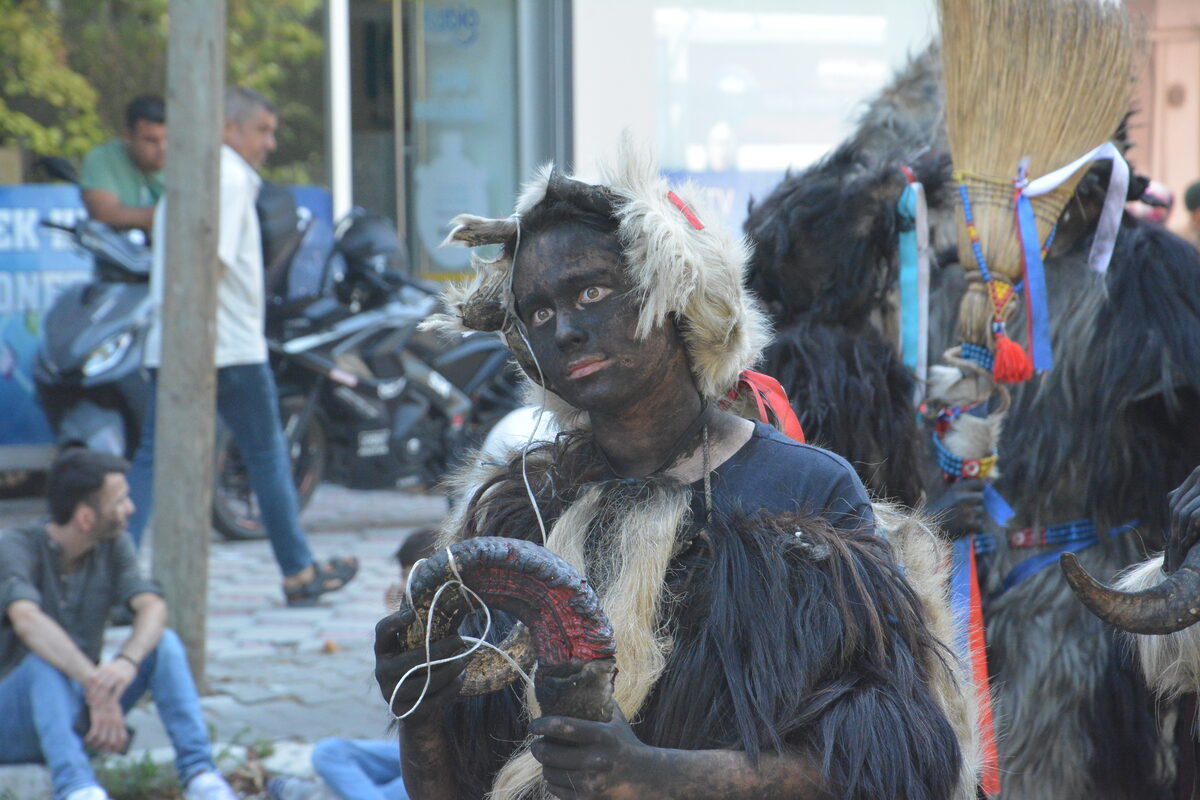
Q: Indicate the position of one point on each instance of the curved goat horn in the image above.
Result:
(568, 632)
(1166, 608)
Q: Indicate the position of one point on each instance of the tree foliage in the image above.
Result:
(45, 105)
(47, 47)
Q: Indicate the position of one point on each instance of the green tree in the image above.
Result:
(121, 45)
(45, 106)
(274, 46)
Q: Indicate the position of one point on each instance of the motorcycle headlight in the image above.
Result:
(109, 353)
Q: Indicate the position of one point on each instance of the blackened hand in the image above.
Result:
(584, 760)
(393, 661)
(960, 510)
(1185, 520)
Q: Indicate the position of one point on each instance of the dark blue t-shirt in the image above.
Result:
(773, 474)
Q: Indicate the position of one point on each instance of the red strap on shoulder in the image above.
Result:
(770, 397)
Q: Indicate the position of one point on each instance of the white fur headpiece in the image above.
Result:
(679, 259)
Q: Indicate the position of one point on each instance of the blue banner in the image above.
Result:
(36, 263)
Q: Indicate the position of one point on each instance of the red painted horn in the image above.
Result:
(569, 635)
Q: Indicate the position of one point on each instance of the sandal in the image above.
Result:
(337, 571)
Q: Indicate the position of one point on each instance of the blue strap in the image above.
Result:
(960, 590)
(1035, 564)
(909, 266)
(1078, 530)
(996, 506)
(1035, 286)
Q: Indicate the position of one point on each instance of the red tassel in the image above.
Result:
(1012, 364)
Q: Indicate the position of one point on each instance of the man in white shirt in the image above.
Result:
(246, 395)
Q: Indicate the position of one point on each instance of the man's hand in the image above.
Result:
(107, 733)
(393, 661)
(582, 760)
(960, 510)
(109, 682)
(1185, 520)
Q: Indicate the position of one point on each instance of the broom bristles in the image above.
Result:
(1047, 79)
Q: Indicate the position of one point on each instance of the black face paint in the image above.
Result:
(580, 315)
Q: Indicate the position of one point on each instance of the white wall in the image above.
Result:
(614, 64)
(834, 55)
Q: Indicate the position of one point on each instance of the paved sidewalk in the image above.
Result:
(286, 675)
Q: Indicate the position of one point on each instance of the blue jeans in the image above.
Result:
(360, 769)
(39, 704)
(249, 407)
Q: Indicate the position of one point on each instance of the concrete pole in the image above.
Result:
(337, 104)
(183, 454)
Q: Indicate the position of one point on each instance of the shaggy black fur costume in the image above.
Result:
(1102, 436)
(789, 636)
(852, 396)
(825, 262)
(825, 239)
(1134, 370)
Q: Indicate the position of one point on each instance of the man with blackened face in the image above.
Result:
(732, 562)
(580, 315)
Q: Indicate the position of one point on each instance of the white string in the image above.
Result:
(476, 643)
(537, 423)
(537, 426)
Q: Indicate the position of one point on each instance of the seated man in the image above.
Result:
(768, 645)
(58, 580)
(122, 179)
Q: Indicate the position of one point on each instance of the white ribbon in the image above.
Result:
(1114, 201)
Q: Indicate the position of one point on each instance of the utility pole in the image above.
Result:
(183, 452)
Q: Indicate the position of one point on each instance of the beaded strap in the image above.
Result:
(997, 297)
(978, 354)
(1076, 531)
(956, 467)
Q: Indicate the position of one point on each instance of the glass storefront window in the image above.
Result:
(461, 119)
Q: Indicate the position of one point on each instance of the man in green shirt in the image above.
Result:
(122, 179)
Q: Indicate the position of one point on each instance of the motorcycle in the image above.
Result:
(366, 399)
(87, 371)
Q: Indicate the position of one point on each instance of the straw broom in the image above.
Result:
(1044, 79)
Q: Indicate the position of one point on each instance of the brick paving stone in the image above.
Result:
(25, 781)
(294, 616)
(255, 693)
(358, 612)
(275, 634)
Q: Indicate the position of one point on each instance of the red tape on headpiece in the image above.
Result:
(687, 212)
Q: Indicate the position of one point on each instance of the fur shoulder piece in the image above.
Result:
(925, 559)
(799, 635)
